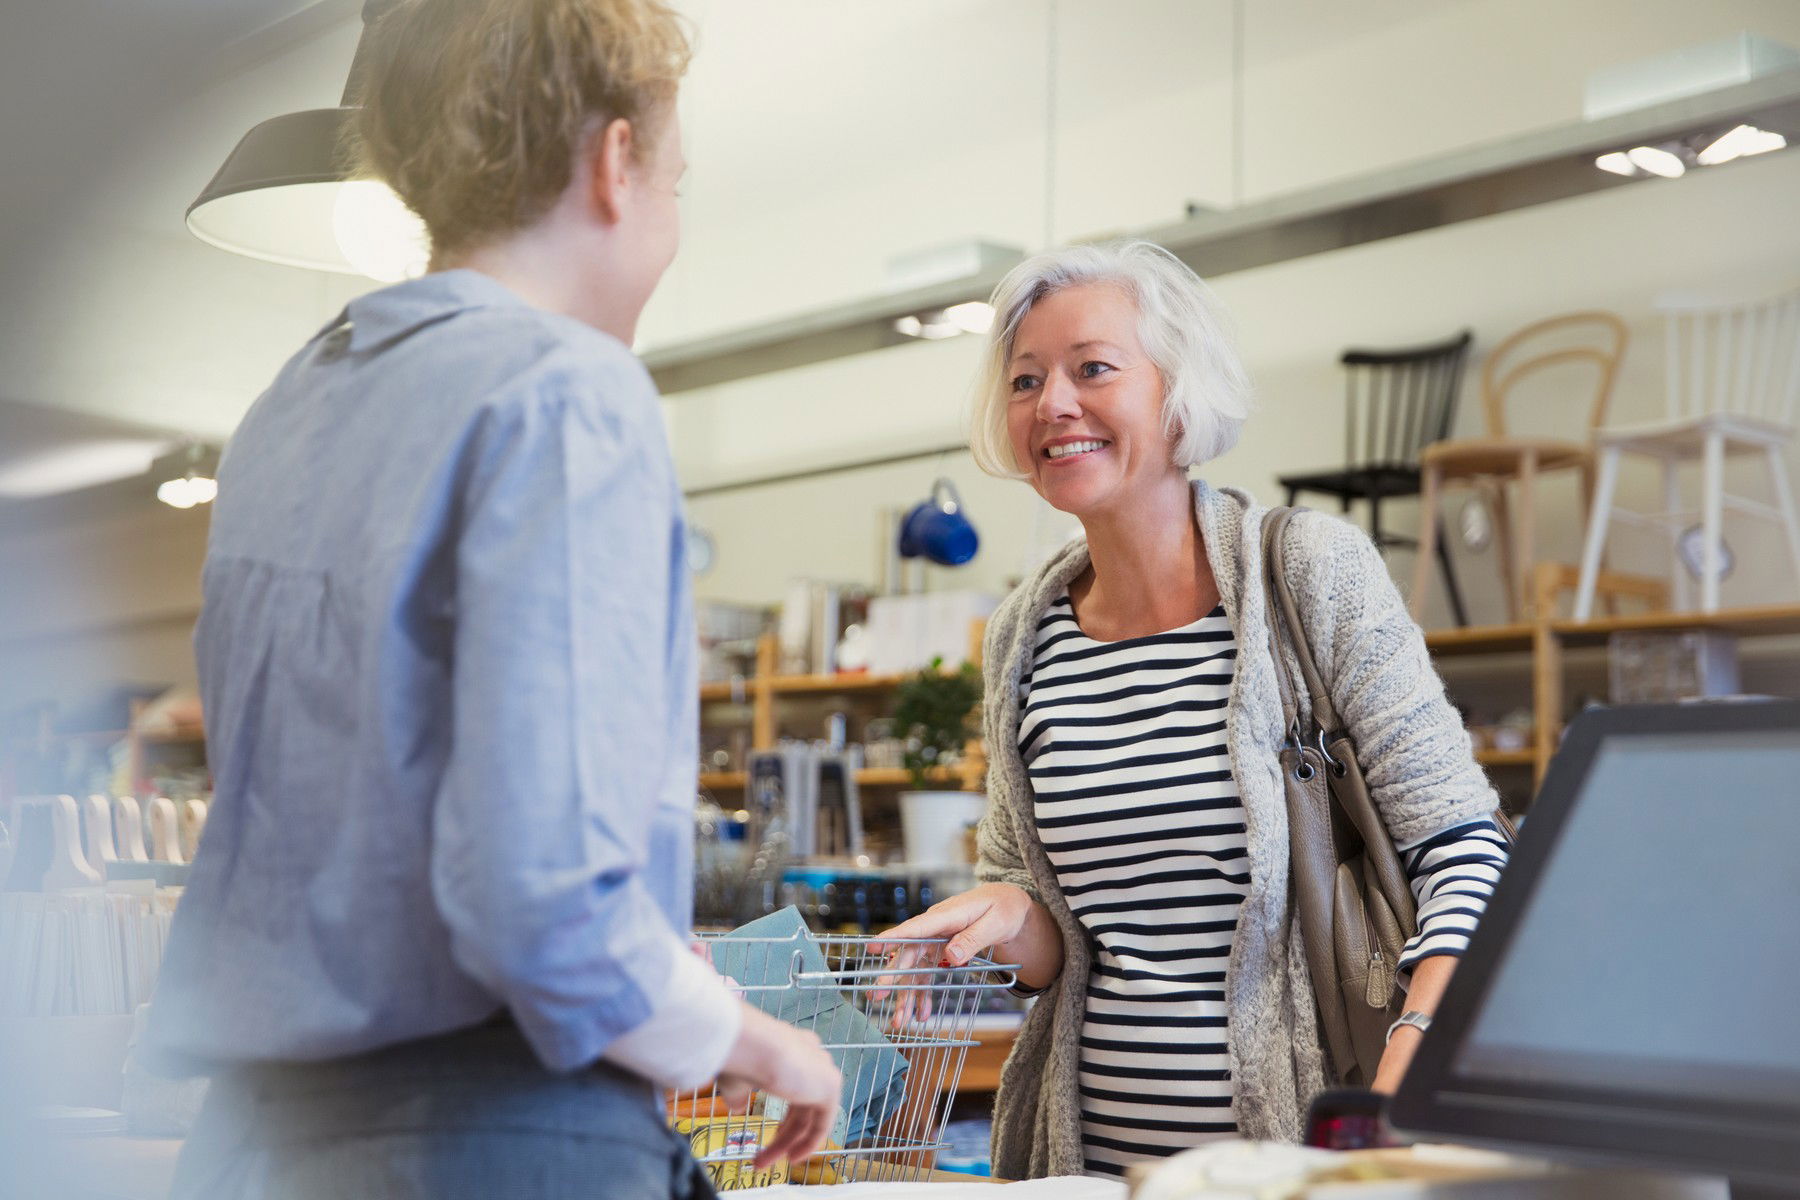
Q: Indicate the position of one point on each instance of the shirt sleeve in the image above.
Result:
(1452, 874)
(542, 836)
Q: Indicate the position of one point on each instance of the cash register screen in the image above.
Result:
(1660, 951)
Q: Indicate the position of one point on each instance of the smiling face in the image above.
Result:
(1085, 408)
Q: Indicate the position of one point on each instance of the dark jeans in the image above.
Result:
(470, 1114)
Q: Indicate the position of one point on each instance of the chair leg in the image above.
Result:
(1527, 563)
(1292, 493)
(1375, 534)
(1599, 515)
(1451, 589)
(1428, 524)
(1784, 501)
(1503, 544)
(1712, 503)
(1681, 590)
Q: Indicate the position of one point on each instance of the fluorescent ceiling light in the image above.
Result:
(1741, 141)
(1657, 162)
(1618, 162)
(73, 467)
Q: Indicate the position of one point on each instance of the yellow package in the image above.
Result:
(727, 1146)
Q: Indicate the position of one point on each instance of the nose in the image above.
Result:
(1058, 399)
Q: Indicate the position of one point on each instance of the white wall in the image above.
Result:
(827, 136)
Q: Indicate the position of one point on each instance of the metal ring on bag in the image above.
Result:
(1337, 768)
(1304, 771)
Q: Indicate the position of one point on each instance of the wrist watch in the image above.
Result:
(1418, 1020)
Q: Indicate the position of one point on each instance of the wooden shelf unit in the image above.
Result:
(1547, 640)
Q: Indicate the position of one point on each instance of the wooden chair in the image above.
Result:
(1501, 458)
(1395, 401)
(1733, 381)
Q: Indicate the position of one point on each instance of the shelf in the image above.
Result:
(1479, 639)
(1764, 619)
(180, 735)
(715, 693)
(720, 781)
(1506, 758)
(791, 685)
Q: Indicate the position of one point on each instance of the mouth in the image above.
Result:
(1071, 451)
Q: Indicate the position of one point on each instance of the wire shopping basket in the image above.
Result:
(899, 1033)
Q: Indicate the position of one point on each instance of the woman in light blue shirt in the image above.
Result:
(434, 941)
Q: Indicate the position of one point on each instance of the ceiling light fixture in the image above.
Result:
(196, 484)
(73, 467)
(284, 195)
(974, 316)
(1618, 162)
(1740, 141)
(1657, 161)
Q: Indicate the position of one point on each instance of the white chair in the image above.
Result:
(1733, 377)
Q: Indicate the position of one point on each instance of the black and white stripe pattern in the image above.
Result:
(1452, 874)
(1137, 810)
(1125, 744)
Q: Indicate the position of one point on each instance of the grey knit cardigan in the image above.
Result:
(1412, 748)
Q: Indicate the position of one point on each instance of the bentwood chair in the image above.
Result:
(1504, 459)
(1732, 384)
(1395, 401)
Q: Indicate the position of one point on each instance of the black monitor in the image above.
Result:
(1632, 995)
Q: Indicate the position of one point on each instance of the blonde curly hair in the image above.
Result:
(476, 111)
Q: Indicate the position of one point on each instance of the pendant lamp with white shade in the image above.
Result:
(285, 195)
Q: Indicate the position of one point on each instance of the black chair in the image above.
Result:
(1396, 402)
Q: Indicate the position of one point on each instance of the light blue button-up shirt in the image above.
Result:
(446, 656)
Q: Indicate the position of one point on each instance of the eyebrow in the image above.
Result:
(1023, 355)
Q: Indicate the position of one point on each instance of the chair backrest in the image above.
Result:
(1734, 358)
(1594, 337)
(1396, 401)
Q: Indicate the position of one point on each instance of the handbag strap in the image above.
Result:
(1284, 615)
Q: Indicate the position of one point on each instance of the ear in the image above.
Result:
(608, 167)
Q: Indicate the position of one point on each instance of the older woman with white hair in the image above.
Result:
(1134, 856)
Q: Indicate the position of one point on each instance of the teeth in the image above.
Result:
(1068, 448)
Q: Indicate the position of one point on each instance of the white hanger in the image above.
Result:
(68, 865)
(165, 834)
(193, 823)
(96, 822)
(128, 819)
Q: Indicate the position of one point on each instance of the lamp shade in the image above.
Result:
(283, 195)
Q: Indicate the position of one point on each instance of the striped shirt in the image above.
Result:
(1125, 743)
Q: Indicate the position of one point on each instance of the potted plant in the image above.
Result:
(932, 711)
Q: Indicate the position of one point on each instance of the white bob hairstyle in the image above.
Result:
(1206, 391)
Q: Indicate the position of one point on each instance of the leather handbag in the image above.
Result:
(1355, 906)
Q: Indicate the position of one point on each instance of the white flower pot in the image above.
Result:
(934, 826)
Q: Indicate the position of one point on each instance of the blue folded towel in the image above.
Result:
(874, 1072)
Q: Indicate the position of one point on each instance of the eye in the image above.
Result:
(1093, 369)
(1024, 383)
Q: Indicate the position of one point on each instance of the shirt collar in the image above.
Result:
(393, 312)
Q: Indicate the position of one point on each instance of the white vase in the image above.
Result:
(934, 826)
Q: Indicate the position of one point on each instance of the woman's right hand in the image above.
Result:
(993, 914)
(792, 1064)
(1000, 915)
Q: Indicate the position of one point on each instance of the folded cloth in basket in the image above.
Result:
(874, 1072)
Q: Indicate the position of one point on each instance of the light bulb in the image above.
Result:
(1618, 162)
(1657, 161)
(203, 489)
(381, 237)
(176, 493)
(974, 317)
(1740, 141)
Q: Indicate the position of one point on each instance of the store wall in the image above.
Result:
(826, 137)
(94, 604)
